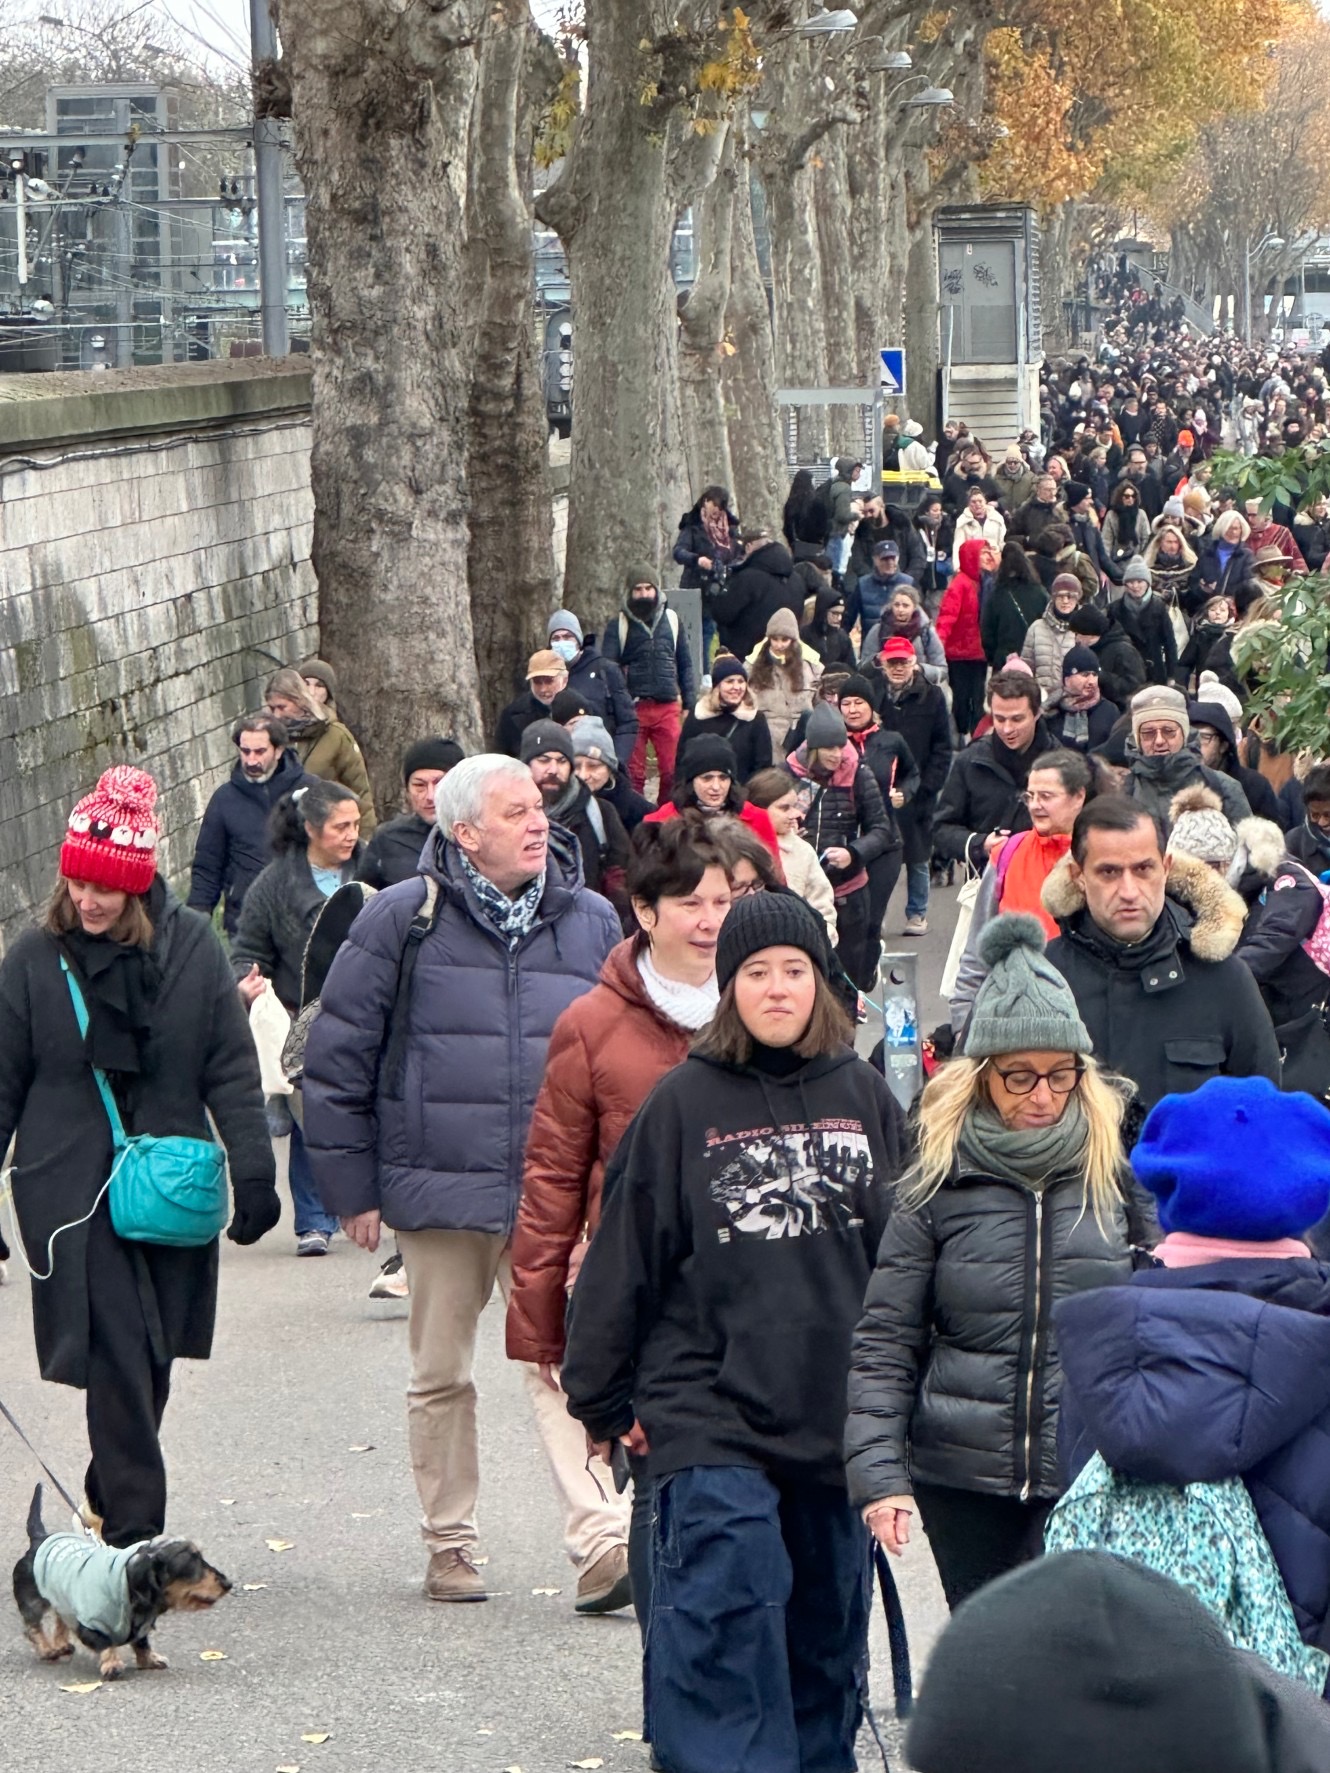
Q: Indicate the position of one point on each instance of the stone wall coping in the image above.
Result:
(44, 411)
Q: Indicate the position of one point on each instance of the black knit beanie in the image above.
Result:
(856, 684)
(769, 920)
(704, 754)
(1084, 1660)
(431, 754)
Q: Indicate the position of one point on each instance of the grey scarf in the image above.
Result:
(1030, 1157)
(1155, 780)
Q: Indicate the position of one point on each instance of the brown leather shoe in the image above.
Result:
(453, 1577)
(605, 1586)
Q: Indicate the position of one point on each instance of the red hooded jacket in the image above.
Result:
(958, 619)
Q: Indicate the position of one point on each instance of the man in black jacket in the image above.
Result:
(1121, 667)
(1147, 947)
(763, 582)
(547, 751)
(393, 853)
(232, 849)
(597, 680)
(983, 800)
(648, 643)
(888, 756)
(917, 710)
(546, 676)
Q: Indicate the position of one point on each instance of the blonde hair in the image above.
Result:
(289, 683)
(959, 1087)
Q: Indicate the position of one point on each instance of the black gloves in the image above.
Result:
(257, 1209)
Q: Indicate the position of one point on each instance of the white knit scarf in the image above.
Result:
(687, 1006)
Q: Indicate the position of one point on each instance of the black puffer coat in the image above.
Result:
(198, 1060)
(954, 1375)
(758, 586)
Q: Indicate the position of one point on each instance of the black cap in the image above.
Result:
(1079, 659)
(568, 705)
(431, 754)
(769, 920)
(1075, 491)
(856, 684)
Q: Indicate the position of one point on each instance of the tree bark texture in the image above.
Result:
(831, 205)
(702, 340)
(383, 105)
(921, 323)
(748, 378)
(510, 560)
(611, 206)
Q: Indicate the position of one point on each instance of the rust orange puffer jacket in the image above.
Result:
(606, 1054)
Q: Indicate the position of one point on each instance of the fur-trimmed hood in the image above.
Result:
(1261, 846)
(710, 707)
(1218, 912)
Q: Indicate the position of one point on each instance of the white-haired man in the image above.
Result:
(420, 1076)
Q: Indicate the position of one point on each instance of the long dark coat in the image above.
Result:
(199, 1056)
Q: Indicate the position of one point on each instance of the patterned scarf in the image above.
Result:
(717, 525)
(512, 918)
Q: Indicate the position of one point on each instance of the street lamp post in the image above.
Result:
(1266, 243)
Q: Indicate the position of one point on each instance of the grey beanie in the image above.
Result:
(564, 618)
(543, 736)
(825, 729)
(1135, 569)
(1024, 1005)
(591, 738)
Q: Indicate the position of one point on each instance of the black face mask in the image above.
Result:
(642, 607)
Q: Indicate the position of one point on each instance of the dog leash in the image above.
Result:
(9, 1417)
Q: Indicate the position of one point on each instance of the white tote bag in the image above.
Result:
(269, 1024)
(965, 903)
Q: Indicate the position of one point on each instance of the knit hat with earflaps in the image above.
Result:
(1024, 1005)
(1199, 827)
(1237, 1159)
(111, 840)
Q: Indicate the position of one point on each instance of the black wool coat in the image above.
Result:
(280, 909)
(199, 1060)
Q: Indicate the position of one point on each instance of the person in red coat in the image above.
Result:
(707, 778)
(958, 630)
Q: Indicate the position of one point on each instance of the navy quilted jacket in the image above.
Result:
(440, 1145)
(1193, 1375)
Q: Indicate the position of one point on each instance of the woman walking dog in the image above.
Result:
(119, 1018)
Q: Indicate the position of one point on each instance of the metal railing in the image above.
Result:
(1193, 312)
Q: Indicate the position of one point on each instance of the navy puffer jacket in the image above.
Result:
(440, 1145)
(1194, 1375)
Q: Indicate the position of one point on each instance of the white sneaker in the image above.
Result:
(915, 926)
(390, 1282)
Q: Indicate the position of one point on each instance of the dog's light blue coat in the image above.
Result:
(85, 1582)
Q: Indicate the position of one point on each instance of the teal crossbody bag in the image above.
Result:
(162, 1191)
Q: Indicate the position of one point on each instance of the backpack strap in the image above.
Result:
(420, 926)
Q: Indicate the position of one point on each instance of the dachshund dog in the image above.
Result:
(106, 1597)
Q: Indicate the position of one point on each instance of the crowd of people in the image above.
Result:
(578, 1023)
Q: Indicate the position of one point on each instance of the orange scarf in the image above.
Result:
(1032, 861)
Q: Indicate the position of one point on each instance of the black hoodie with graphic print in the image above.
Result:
(740, 1221)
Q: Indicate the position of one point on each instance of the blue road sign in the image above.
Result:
(893, 370)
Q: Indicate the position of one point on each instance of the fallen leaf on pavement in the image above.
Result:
(317, 1736)
(544, 1591)
(627, 1736)
(227, 1501)
(212, 1655)
(81, 1687)
(512, 1770)
(249, 1587)
(592, 1761)
(484, 1732)
(279, 1544)
(367, 1448)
